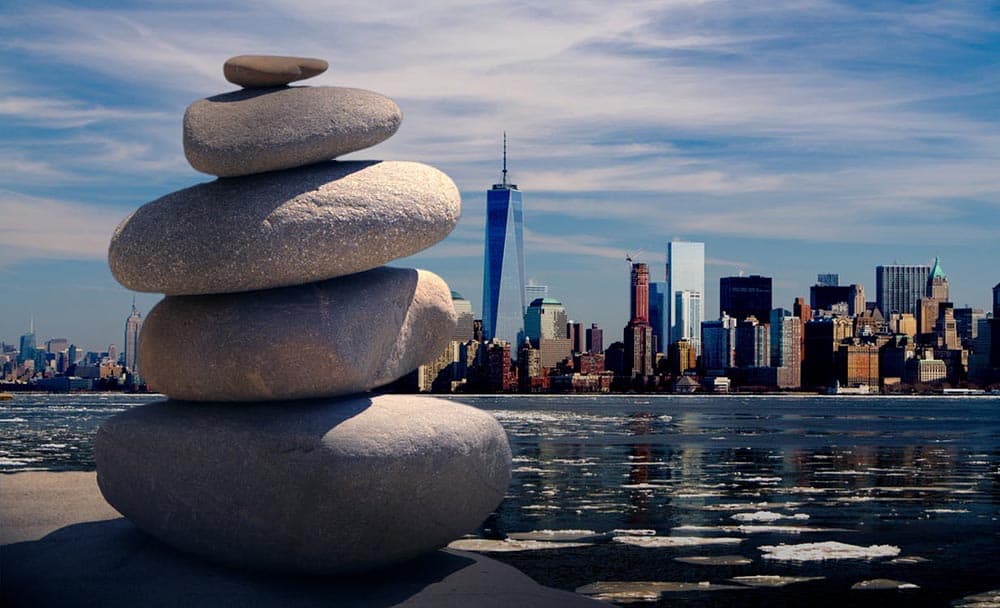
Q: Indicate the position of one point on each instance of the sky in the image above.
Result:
(792, 137)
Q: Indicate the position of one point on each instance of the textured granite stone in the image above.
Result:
(270, 70)
(286, 228)
(312, 487)
(257, 130)
(334, 337)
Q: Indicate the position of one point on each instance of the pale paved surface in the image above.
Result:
(76, 550)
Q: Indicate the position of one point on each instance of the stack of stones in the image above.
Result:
(278, 318)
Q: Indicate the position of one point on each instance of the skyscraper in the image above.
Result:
(996, 301)
(898, 287)
(685, 272)
(786, 344)
(718, 344)
(639, 293)
(463, 309)
(937, 282)
(688, 309)
(26, 345)
(545, 319)
(657, 314)
(639, 354)
(503, 261)
(742, 297)
(595, 339)
(132, 326)
(828, 279)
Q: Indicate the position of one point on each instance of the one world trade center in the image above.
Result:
(503, 262)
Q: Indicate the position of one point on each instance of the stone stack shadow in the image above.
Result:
(278, 319)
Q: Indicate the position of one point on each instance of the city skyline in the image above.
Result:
(792, 139)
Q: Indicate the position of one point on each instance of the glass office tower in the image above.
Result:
(685, 272)
(503, 262)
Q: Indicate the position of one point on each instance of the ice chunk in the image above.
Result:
(773, 580)
(882, 584)
(990, 599)
(826, 550)
(909, 559)
(484, 545)
(767, 516)
(644, 591)
(555, 535)
(715, 560)
(635, 532)
(674, 541)
(756, 529)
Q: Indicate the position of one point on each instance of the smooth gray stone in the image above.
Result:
(332, 486)
(271, 70)
(257, 130)
(335, 337)
(286, 228)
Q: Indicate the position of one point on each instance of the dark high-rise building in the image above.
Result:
(828, 279)
(504, 302)
(595, 339)
(898, 287)
(822, 341)
(742, 297)
(574, 331)
(657, 314)
(753, 344)
(26, 345)
(967, 324)
(825, 297)
(996, 301)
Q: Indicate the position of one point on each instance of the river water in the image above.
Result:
(702, 501)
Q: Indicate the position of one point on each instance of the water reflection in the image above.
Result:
(918, 475)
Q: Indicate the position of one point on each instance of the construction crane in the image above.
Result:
(629, 257)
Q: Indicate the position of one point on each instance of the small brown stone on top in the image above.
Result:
(257, 71)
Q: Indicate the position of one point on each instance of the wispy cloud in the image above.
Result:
(50, 229)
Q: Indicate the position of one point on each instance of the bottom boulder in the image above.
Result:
(324, 486)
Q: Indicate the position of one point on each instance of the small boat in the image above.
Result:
(6, 396)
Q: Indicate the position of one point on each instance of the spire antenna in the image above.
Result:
(504, 180)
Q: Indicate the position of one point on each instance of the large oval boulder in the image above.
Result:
(287, 228)
(334, 337)
(305, 487)
(257, 130)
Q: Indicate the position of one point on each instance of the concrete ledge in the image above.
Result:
(64, 546)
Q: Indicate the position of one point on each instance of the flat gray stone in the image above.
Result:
(331, 486)
(336, 337)
(286, 228)
(271, 70)
(257, 130)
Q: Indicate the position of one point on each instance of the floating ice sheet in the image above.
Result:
(909, 560)
(990, 599)
(674, 541)
(483, 545)
(757, 529)
(882, 584)
(645, 591)
(715, 560)
(555, 535)
(767, 516)
(773, 580)
(826, 550)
